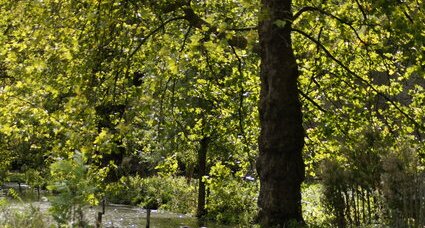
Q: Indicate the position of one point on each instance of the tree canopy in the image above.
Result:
(122, 88)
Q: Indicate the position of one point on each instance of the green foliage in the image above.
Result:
(356, 74)
(76, 186)
(116, 79)
(123, 192)
(360, 100)
(168, 167)
(15, 177)
(172, 194)
(158, 192)
(378, 181)
(351, 180)
(314, 211)
(35, 178)
(30, 217)
(231, 199)
(13, 194)
(403, 186)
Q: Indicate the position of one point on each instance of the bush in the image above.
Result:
(231, 199)
(376, 181)
(403, 187)
(314, 212)
(75, 185)
(170, 193)
(166, 193)
(29, 217)
(125, 191)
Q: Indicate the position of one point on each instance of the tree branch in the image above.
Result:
(303, 10)
(194, 19)
(362, 80)
(315, 9)
(186, 35)
(151, 33)
(244, 29)
(361, 10)
(197, 22)
(312, 101)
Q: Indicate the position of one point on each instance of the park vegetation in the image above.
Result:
(273, 113)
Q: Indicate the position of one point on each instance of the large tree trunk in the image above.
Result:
(280, 164)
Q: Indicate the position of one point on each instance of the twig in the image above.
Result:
(312, 101)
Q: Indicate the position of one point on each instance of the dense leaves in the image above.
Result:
(131, 88)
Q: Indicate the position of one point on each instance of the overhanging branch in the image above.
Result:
(315, 9)
(151, 33)
(312, 101)
(362, 80)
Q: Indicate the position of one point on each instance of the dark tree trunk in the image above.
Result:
(202, 166)
(280, 164)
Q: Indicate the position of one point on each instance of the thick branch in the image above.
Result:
(195, 20)
(303, 10)
(170, 7)
(247, 29)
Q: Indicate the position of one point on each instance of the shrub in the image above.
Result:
(75, 185)
(125, 191)
(231, 199)
(376, 181)
(403, 187)
(314, 212)
(170, 193)
(28, 217)
(157, 192)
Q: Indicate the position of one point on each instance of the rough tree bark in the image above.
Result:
(280, 164)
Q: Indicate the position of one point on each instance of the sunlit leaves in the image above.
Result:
(378, 43)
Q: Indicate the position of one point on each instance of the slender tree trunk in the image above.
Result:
(280, 164)
(202, 166)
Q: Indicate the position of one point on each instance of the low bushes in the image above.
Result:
(376, 182)
(230, 200)
(30, 217)
(167, 193)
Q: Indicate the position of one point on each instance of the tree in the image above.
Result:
(364, 76)
(280, 164)
(145, 79)
(355, 60)
(152, 79)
